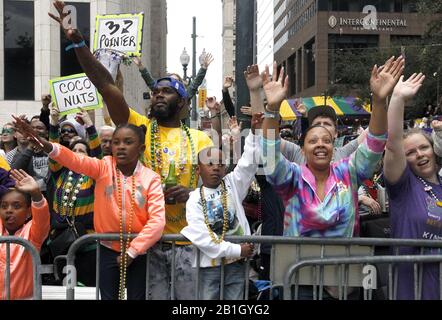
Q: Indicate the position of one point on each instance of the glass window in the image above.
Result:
(19, 49)
(68, 60)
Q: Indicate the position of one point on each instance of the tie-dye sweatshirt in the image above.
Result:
(337, 215)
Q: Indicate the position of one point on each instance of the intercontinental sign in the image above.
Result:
(367, 23)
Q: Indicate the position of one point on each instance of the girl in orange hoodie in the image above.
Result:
(128, 199)
(17, 205)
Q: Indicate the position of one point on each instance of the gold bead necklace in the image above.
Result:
(124, 244)
(225, 213)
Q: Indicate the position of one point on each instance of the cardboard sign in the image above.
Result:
(73, 92)
(121, 32)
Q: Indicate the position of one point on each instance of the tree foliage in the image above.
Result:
(350, 68)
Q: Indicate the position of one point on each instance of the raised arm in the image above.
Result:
(145, 74)
(96, 72)
(275, 91)
(395, 160)
(254, 83)
(194, 85)
(215, 116)
(227, 99)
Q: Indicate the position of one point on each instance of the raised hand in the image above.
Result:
(383, 79)
(408, 89)
(208, 59)
(228, 82)
(302, 109)
(46, 100)
(24, 182)
(28, 132)
(235, 128)
(84, 118)
(54, 114)
(253, 78)
(275, 89)
(138, 62)
(71, 33)
(257, 120)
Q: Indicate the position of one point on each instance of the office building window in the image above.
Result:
(68, 60)
(19, 50)
(291, 72)
(310, 62)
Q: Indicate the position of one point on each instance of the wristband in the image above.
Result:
(75, 45)
(270, 113)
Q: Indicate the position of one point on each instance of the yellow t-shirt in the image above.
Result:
(171, 144)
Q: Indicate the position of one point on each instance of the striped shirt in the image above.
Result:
(84, 205)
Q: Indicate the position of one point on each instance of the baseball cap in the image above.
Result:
(323, 111)
(172, 83)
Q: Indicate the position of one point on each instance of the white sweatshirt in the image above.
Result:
(237, 183)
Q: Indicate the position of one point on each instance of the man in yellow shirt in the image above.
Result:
(166, 139)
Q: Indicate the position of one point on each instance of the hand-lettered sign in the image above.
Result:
(121, 32)
(73, 92)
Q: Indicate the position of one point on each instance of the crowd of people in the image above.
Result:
(61, 178)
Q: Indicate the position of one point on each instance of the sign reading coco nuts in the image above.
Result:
(73, 92)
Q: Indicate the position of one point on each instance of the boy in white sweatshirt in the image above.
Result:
(214, 211)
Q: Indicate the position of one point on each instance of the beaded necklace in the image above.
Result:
(69, 195)
(124, 244)
(225, 213)
(156, 152)
(429, 189)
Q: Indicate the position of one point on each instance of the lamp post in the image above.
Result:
(185, 59)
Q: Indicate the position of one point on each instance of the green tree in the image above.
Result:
(349, 68)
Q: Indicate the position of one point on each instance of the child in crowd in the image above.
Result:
(24, 213)
(128, 199)
(215, 210)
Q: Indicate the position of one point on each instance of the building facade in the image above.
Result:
(306, 31)
(264, 33)
(32, 50)
(229, 37)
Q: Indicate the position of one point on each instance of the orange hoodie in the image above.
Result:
(149, 210)
(21, 275)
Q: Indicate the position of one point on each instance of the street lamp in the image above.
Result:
(185, 59)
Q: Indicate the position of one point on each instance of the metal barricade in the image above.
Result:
(36, 265)
(287, 253)
(294, 269)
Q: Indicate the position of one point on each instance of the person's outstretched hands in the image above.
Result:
(71, 33)
(275, 89)
(383, 79)
(208, 59)
(406, 90)
(253, 78)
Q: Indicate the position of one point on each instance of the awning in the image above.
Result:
(344, 106)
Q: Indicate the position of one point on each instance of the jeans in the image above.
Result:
(234, 277)
(110, 276)
(160, 271)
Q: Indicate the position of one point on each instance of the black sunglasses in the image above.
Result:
(68, 130)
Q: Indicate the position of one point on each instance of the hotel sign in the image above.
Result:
(370, 22)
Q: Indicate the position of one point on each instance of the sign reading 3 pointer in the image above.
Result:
(120, 32)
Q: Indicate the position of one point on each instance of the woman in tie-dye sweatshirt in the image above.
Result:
(320, 197)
